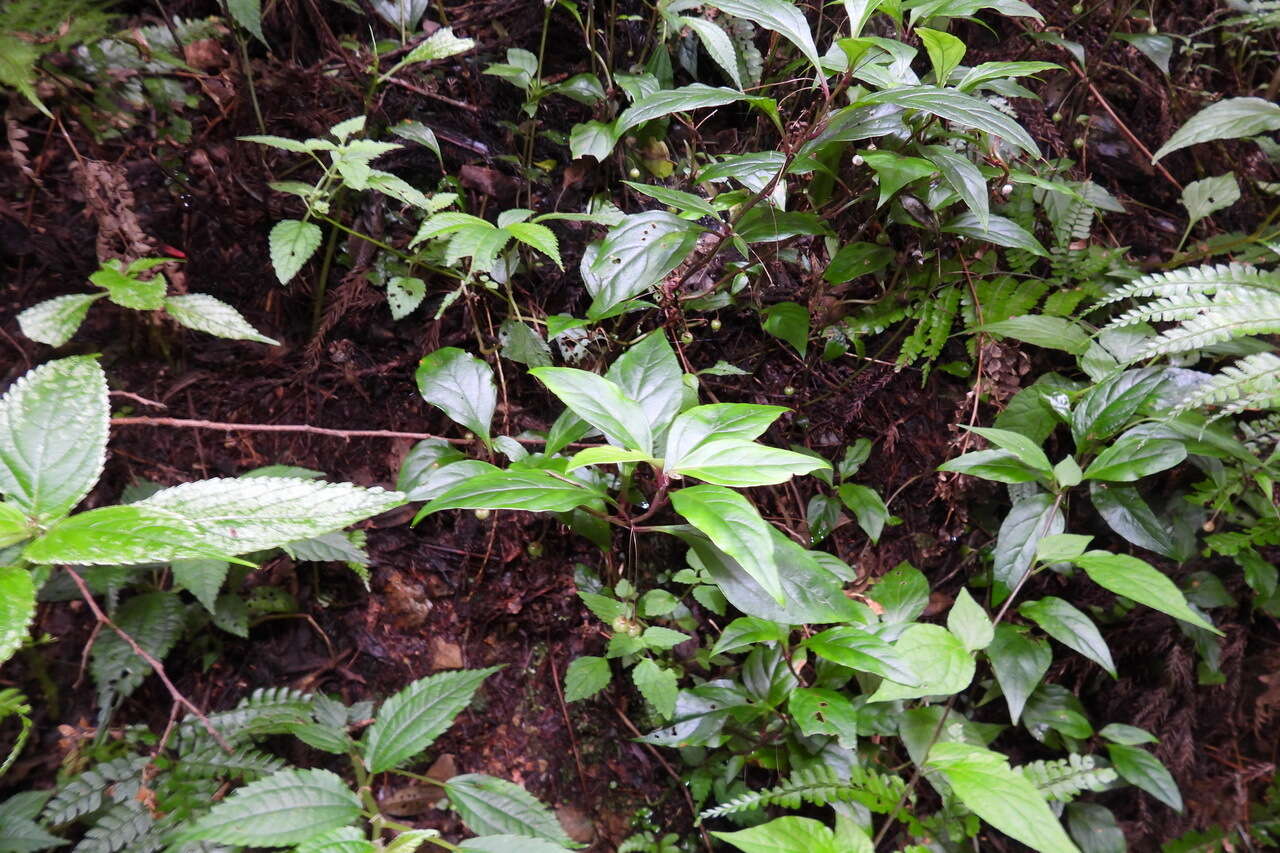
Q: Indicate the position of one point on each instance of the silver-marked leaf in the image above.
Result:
(738, 463)
(53, 436)
(701, 424)
(285, 808)
(777, 16)
(54, 321)
(411, 719)
(636, 254)
(667, 101)
(461, 386)
(292, 244)
(404, 295)
(960, 108)
(213, 317)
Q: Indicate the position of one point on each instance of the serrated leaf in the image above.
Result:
(657, 685)
(539, 237)
(461, 386)
(601, 403)
(984, 782)
(534, 491)
(53, 436)
(202, 578)
(1069, 626)
(1231, 118)
(491, 806)
(155, 621)
(24, 835)
(213, 317)
(209, 518)
(938, 659)
(523, 344)
(54, 321)
(344, 839)
(586, 677)
(17, 608)
(292, 243)
(286, 808)
(248, 14)
(404, 295)
(411, 720)
(735, 527)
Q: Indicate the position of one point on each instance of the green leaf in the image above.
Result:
(667, 101)
(1141, 768)
(491, 806)
(411, 720)
(1048, 332)
(1206, 197)
(18, 68)
(995, 229)
(1095, 829)
(902, 593)
(209, 518)
(734, 462)
(248, 14)
(24, 835)
(1067, 472)
(945, 52)
(1007, 800)
(657, 685)
(1231, 118)
(965, 110)
(601, 403)
(702, 424)
(965, 178)
(688, 203)
(1070, 627)
(129, 292)
(1128, 514)
(1127, 735)
(1134, 458)
(867, 505)
(1140, 581)
(292, 244)
(817, 711)
(748, 630)
(636, 255)
(14, 526)
(718, 45)
(894, 171)
(17, 608)
(863, 652)
(213, 317)
(937, 658)
(785, 835)
(539, 237)
(405, 294)
(1061, 547)
(1029, 520)
(285, 808)
(344, 839)
(1017, 444)
(1000, 466)
(734, 526)
(53, 436)
(54, 321)
(1019, 663)
(968, 621)
(535, 491)
(586, 677)
(1157, 48)
(790, 322)
(608, 455)
(440, 45)
(649, 373)
(202, 578)
(592, 139)
(1001, 70)
(507, 844)
(1104, 409)
(776, 16)
(857, 259)
(461, 386)
(764, 223)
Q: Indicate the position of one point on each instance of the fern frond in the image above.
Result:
(1236, 317)
(87, 792)
(1261, 435)
(820, 786)
(213, 761)
(264, 711)
(1253, 382)
(122, 826)
(1064, 779)
(1205, 279)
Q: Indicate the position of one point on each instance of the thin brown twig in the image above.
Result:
(151, 660)
(684, 789)
(568, 725)
(1097, 96)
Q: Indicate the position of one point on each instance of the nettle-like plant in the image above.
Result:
(776, 688)
(54, 321)
(54, 424)
(167, 793)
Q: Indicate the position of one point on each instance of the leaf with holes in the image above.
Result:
(292, 244)
(411, 720)
(404, 295)
(1207, 196)
(53, 436)
(636, 255)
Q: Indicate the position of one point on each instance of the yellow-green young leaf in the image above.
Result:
(54, 321)
(441, 45)
(213, 317)
(1139, 580)
(539, 237)
(286, 808)
(53, 436)
(657, 685)
(411, 720)
(491, 806)
(586, 677)
(984, 782)
(461, 386)
(534, 491)
(600, 403)
(18, 68)
(735, 527)
(606, 456)
(968, 621)
(17, 608)
(785, 835)
(292, 244)
(733, 462)
(939, 660)
(945, 52)
(14, 526)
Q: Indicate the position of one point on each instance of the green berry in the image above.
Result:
(715, 325)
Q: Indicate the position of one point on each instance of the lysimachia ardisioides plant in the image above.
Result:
(803, 704)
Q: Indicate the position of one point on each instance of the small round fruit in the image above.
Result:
(634, 173)
(1077, 9)
(686, 338)
(1078, 142)
(1006, 190)
(789, 390)
(858, 160)
(1152, 30)
(1057, 117)
(534, 549)
(715, 325)
(482, 514)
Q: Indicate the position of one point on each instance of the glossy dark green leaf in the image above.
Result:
(1019, 663)
(1029, 520)
(1125, 511)
(1141, 768)
(1072, 628)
